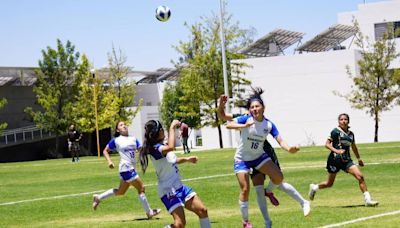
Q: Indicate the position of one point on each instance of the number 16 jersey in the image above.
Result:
(252, 138)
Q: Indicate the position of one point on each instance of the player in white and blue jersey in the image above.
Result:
(173, 193)
(126, 146)
(259, 178)
(250, 155)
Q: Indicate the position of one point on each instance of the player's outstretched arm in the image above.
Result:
(191, 159)
(106, 153)
(221, 109)
(357, 154)
(285, 146)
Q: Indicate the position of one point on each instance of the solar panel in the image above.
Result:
(273, 43)
(159, 75)
(329, 39)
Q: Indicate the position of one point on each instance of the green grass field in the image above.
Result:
(58, 193)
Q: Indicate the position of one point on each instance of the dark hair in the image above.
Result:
(344, 114)
(116, 132)
(256, 96)
(151, 134)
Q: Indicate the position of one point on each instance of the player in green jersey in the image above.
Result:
(339, 143)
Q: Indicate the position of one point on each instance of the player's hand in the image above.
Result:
(360, 162)
(222, 100)
(294, 149)
(111, 165)
(175, 123)
(250, 122)
(340, 151)
(193, 159)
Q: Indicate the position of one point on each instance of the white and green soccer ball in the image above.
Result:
(163, 13)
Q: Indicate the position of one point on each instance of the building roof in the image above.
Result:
(17, 76)
(272, 44)
(328, 39)
(26, 76)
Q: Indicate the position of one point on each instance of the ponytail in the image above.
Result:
(151, 134)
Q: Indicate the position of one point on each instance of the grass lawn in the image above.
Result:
(58, 193)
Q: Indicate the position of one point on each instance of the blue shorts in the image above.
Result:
(178, 198)
(129, 176)
(245, 166)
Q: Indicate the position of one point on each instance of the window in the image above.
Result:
(381, 28)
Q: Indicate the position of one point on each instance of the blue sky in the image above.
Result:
(93, 26)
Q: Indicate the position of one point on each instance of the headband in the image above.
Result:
(257, 99)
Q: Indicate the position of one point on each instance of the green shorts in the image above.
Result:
(337, 163)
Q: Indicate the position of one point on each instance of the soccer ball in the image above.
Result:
(163, 13)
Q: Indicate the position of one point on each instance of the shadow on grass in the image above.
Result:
(351, 206)
(140, 219)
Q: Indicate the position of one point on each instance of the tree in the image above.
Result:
(3, 102)
(202, 66)
(107, 102)
(375, 88)
(55, 89)
(123, 87)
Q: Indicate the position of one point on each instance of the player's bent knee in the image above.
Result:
(202, 212)
(180, 223)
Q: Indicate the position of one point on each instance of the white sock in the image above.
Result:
(205, 223)
(106, 194)
(262, 203)
(292, 192)
(315, 187)
(144, 202)
(270, 186)
(367, 196)
(244, 210)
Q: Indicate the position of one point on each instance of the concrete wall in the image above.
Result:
(300, 101)
(18, 98)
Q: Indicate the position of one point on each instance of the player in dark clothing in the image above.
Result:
(74, 136)
(339, 143)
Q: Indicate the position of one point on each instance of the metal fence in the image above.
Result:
(22, 134)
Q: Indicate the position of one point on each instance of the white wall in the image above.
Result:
(299, 97)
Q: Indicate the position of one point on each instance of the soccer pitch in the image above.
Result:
(58, 193)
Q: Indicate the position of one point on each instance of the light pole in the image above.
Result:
(226, 85)
(93, 71)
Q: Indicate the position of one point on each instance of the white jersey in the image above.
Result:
(252, 138)
(126, 147)
(167, 173)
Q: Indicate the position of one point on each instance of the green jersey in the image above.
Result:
(342, 140)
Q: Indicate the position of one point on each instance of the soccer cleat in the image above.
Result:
(247, 224)
(272, 198)
(371, 203)
(153, 213)
(306, 208)
(96, 202)
(312, 192)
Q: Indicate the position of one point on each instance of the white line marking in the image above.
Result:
(155, 184)
(362, 219)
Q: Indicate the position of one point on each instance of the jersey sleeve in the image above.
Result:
(236, 115)
(138, 144)
(334, 134)
(274, 130)
(111, 144)
(242, 119)
(158, 147)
